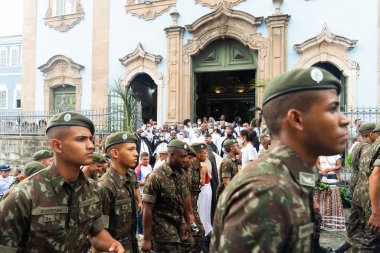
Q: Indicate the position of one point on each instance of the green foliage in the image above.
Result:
(129, 104)
(321, 186)
(346, 200)
(348, 162)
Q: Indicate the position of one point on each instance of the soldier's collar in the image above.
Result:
(119, 180)
(57, 180)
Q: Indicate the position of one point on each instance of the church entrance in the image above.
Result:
(224, 81)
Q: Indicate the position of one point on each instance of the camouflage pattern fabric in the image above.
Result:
(119, 207)
(46, 214)
(355, 161)
(228, 168)
(194, 186)
(167, 189)
(267, 207)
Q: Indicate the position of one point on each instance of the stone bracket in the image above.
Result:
(149, 10)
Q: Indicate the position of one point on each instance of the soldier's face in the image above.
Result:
(202, 155)
(189, 161)
(178, 159)
(324, 125)
(128, 155)
(77, 147)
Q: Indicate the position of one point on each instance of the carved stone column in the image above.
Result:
(175, 96)
(277, 36)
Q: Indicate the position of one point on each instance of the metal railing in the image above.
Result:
(31, 123)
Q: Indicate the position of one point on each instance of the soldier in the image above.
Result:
(229, 165)
(56, 209)
(268, 206)
(366, 193)
(29, 169)
(194, 187)
(45, 157)
(117, 187)
(355, 221)
(92, 170)
(167, 202)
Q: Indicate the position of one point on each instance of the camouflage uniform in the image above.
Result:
(367, 240)
(228, 168)
(355, 220)
(46, 214)
(166, 189)
(119, 206)
(267, 207)
(194, 187)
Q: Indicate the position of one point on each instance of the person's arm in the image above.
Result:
(226, 168)
(338, 165)
(318, 165)
(147, 225)
(374, 189)
(103, 241)
(188, 212)
(139, 201)
(203, 174)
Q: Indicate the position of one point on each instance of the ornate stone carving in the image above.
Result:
(60, 71)
(328, 47)
(63, 23)
(139, 62)
(220, 24)
(149, 10)
(218, 3)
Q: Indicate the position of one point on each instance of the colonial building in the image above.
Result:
(10, 73)
(188, 58)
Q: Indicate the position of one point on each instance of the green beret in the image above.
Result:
(300, 80)
(32, 167)
(377, 129)
(70, 119)
(42, 154)
(229, 142)
(98, 158)
(176, 143)
(367, 127)
(120, 137)
(191, 151)
(198, 146)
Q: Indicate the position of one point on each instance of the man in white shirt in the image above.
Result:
(5, 178)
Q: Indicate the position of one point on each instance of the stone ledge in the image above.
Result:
(65, 22)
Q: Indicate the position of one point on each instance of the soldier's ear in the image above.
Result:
(56, 145)
(114, 153)
(294, 118)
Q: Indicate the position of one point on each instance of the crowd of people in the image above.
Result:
(207, 186)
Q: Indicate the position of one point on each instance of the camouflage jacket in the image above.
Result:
(267, 207)
(167, 189)
(228, 168)
(44, 213)
(194, 174)
(360, 196)
(119, 206)
(356, 154)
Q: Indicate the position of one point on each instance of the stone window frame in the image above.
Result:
(4, 49)
(59, 71)
(148, 11)
(3, 88)
(63, 23)
(331, 48)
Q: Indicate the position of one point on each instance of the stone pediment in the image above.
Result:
(149, 9)
(63, 23)
(217, 3)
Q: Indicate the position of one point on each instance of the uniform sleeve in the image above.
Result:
(226, 169)
(150, 188)
(186, 185)
(257, 219)
(106, 198)
(14, 219)
(375, 153)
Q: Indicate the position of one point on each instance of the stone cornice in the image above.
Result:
(63, 23)
(218, 3)
(150, 10)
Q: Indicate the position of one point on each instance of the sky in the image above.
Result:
(11, 12)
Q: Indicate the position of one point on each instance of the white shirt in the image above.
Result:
(5, 183)
(328, 162)
(145, 170)
(248, 153)
(158, 163)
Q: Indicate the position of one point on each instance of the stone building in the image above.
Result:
(189, 58)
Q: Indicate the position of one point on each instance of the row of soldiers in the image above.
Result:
(267, 207)
(364, 185)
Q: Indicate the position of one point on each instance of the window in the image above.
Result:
(3, 97)
(17, 102)
(3, 57)
(64, 7)
(14, 57)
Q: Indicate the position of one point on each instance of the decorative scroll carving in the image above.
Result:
(217, 3)
(60, 71)
(63, 23)
(149, 10)
(328, 47)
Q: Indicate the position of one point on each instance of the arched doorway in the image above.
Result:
(338, 74)
(224, 78)
(146, 90)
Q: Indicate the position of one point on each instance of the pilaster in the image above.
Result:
(100, 54)
(28, 79)
(277, 25)
(176, 93)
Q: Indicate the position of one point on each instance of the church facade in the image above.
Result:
(190, 58)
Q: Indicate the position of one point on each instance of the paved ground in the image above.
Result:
(335, 239)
